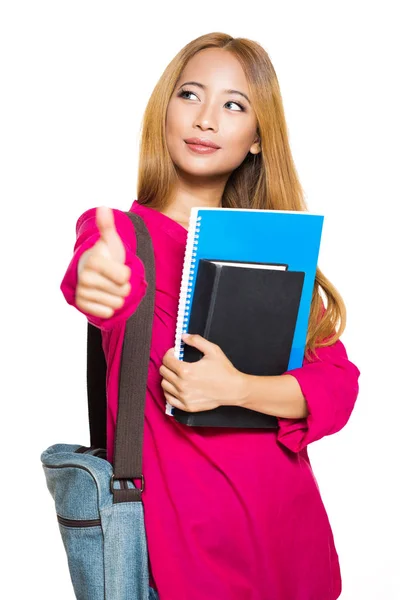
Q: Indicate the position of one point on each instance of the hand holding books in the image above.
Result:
(206, 384)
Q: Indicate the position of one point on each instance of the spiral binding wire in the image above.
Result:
(184, 306)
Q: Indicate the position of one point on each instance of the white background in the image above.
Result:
(75, 79)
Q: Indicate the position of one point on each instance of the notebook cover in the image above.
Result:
(251, 314)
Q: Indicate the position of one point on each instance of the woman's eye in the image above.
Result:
(185, 92)
(229, 102)
(237, 104)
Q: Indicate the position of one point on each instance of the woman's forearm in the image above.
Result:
(277, 395)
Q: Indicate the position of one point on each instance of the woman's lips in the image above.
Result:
(201, 149)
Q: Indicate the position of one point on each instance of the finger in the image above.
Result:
(104, 219)
(92, 279)
(107, 267)
(174, 364)
(174, 401)
(97, 310)
(109, 234)
(99, 297)
(202, 344)
(170, 388)
(170, 376)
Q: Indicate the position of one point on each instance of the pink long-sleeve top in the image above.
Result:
(229, 514)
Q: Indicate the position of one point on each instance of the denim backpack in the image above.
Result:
(99, 509)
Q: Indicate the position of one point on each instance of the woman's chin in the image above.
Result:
(197, 170)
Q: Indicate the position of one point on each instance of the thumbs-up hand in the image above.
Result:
(103, 278)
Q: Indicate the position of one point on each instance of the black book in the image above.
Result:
(250, 310)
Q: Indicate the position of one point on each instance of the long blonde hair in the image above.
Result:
(267, 180)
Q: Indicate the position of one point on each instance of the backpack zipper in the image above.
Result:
(78, 522)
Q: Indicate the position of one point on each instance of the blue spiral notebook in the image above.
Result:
(270, 240)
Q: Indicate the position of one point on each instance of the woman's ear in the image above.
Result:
(256, 146)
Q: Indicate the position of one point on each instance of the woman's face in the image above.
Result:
(212, 113)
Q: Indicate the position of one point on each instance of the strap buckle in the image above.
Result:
(124, 486)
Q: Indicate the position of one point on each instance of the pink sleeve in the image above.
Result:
(330, 388)
(87, 234)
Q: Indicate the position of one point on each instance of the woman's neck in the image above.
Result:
(179, 208)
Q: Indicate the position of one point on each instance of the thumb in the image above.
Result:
(104, 218)
(200, 343)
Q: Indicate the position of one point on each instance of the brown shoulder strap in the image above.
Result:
(133, 378)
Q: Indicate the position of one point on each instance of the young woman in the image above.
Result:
(229, 514)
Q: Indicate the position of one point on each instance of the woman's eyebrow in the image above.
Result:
(204, 87)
